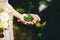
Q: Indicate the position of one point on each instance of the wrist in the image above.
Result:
(18, 15)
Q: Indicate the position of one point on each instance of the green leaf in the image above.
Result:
(39, 34)
(43, 24)
(38, 24)
(28, 18)
(21, 10)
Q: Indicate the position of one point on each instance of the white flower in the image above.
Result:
(42, 7)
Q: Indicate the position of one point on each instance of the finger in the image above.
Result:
(18, 20)
(25, 23)
(31, 23)
(28, 23)
(34, 22)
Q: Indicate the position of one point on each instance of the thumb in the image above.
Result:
(18, 20)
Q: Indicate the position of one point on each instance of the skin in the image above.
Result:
(18, 15)
(21, 17)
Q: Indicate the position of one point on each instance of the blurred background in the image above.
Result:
(33, 32)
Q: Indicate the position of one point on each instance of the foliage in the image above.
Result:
(21, 10)
(38, 24)
(39, 34)
(28, 18)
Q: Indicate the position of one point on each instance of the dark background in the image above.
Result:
(51, 32)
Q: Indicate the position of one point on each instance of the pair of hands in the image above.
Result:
(36, 19)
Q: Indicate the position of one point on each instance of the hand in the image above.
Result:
(36, 19)
(21, 19)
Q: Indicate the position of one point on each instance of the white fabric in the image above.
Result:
(3, 3)
(7, 19)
